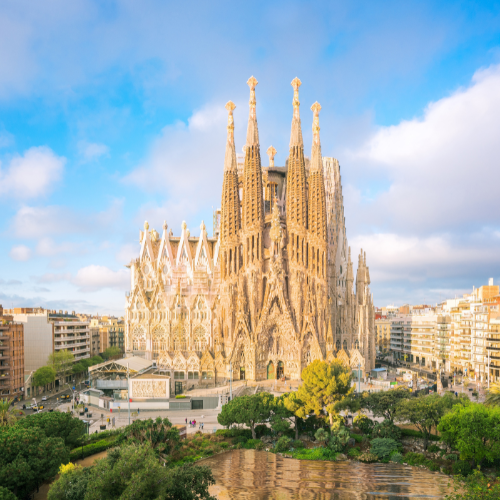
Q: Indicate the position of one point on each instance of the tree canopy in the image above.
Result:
(248, 410)
(28, 457)
(424, 412)
(133, 472)
(112, 352)
(159, 433)
(493, 396)
(384, 403)
(286, 409)
(55, 424)
(474, 430)
(43, 376)
(62, 362)
(324, 385)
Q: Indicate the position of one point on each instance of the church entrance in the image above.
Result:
(280, 372)
(270, 371)
(242, 373)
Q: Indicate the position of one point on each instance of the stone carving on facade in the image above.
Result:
(149, 388)
(274, 288)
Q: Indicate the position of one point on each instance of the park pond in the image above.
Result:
(258, 475)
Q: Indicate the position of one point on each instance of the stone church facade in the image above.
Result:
(272, 290)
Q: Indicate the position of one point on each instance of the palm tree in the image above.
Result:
(7, 413)
(493, 397)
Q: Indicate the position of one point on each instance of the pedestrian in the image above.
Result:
(202, 426)
(194, 423)
(138, 411)
(186, 421)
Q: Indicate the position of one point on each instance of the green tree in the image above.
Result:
(324, 385)
(285, 413)
(96, 360)
(247, 410)
(424, 412)
(8, 414)
(43, 376)
(62, 362)
(79, 367)
(112, 352)
(6, 494)
(159, 433)
(56, 424)
(28, 458)
(134, 472)
(354, 403)
(71, 485)
(475, 487)
(384, 403)
(493, 396)
(474, 430)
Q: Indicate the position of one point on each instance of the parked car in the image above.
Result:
(44, 398)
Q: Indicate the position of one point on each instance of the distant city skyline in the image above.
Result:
(95, 101)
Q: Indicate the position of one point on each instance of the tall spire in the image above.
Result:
(296, 193)
(230, 158)
(316, 161)
(296, 135)
(271, 152)
(252, 130)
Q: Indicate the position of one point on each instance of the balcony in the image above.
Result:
(74, 337)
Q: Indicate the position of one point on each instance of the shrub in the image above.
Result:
(415, 458)
(383, 447)
(259, 446)
(462, 467)
(364, 424)
(91, 449)
(251, 444)
(386, 429)
(262, 430)
(315, 454)
(240, 439)
(231, 433)
(396, 457)
(433, 448)
(418, 434)
(367, 458)
(321, 435)
(283, 444)
(357, 437)
(338, 440)
(433, 466)
(224, 445)
(297, 444)
(353, 453)
(92, 438)
(452, 457)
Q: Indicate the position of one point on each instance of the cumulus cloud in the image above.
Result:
(442, 169)
(20, 253)
(90, 151)
(41, 222)
(31, 175)
(92, 278)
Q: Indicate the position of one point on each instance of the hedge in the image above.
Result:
(231, 433)
(418, 434)
(92, 449)
(92, 438)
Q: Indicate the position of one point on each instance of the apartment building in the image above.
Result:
(11, 357)
(383, 334)
(494, 349)
(111, 332)
(48, 331)
(95, 340)
(423, 339)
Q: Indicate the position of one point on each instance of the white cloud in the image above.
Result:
(31, 175)
(40, 222)
(52, 278)
(90, 151)
(442, 169)
(20, 252)
(92, 278)
(47, 247)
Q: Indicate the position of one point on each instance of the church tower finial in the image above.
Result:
(316, 161)
(230, 158)
(296, 135)
(252, 131)
(271, 152)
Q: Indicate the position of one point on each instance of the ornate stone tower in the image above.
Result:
(252, 213)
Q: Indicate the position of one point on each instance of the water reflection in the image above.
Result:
(257, 475)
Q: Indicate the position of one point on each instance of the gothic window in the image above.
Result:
(345, 345)
(242, 359)
(180, 338)
(138, 339)
(308, 357)
(200, 339)
(337, 345)
(356, 344)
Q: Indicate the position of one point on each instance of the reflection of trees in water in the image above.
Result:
(254, 475)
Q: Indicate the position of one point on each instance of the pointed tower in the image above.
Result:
(230, 224)
(253, 202)
(360, 279)
(296, 195)
(317, 203)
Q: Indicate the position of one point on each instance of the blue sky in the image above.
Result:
(113, 112)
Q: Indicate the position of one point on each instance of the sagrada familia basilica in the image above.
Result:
(273, 289)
